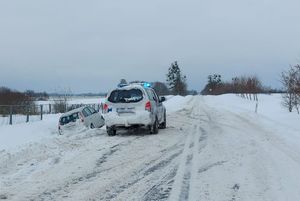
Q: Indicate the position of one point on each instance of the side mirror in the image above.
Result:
(162, 99)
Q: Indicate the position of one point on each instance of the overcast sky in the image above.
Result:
(88, 46)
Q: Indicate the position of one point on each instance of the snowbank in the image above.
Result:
(271, 115)
(176, 103)
(19, 134)
(269, 107)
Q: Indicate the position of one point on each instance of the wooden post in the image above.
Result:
(41, 112)
(256, 107)
(10, 114)
(27, 113)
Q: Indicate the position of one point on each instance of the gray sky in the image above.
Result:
(88, 46)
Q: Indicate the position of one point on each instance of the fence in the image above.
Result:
(14, 114)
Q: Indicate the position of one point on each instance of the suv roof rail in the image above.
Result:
(143, 84)
(122, 85)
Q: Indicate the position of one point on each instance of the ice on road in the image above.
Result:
(206, 153)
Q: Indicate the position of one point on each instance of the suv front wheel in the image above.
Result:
(163, 125)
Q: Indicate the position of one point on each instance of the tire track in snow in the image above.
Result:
(181, 186)
(63, 190)
(161, 190)
(118, 187)
(184, 187)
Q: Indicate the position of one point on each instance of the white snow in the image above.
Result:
(19, 134)
(214, 148)
(176, 103)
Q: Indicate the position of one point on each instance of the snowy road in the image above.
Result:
(204, 154)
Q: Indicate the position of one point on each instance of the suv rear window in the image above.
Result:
(126, 96)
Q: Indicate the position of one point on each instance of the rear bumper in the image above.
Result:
(113, 119)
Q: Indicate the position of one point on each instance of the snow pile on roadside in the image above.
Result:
(176, 103)
(269, 107)
(19, 134)
(271, 115)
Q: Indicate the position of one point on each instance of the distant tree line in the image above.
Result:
(38, 96)
(246, 86)
(12, 97)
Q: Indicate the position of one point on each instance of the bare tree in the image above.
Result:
(61, 101)
(246, 86)
(297, 89)
(254, 87)
(291, 83)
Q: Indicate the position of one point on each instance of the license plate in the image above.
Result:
(125, 110)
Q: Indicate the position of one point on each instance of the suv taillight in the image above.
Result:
(105, 108)
(148, 106)
(81, 117)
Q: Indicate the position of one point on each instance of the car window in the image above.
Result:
(71, 118)
(125, 96)
(86, 112)
(74, 117)
(64, 120)
(155, 95)
(92, 110)
(151, 95)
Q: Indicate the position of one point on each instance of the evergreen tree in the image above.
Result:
(176, 81)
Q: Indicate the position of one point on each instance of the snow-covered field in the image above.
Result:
(214, 148)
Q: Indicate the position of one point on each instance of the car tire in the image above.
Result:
(163, 125)
(154, 127)
(111, 131)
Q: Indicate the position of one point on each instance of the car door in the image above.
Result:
(87, 116)
(96, 118)
(154, 103)
(160, 108)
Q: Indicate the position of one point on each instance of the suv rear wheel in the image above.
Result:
(92, 126)
(154, 127)
(111, 131)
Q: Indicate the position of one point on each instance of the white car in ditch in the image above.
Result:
(83, 117)
(133, 106)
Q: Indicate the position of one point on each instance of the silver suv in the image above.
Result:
(132, 106)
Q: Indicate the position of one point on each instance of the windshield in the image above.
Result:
(126, 96)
